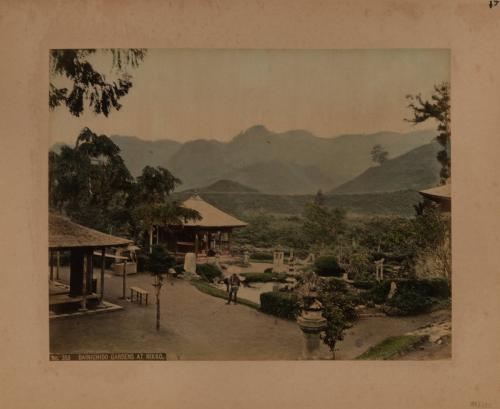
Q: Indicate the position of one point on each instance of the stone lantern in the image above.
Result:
(312, 322)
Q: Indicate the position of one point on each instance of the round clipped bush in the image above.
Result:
(327, 266)
(280, 304)
(209, 272)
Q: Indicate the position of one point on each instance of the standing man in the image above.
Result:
(233, 287)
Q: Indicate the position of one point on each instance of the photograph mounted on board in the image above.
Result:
(226, 204)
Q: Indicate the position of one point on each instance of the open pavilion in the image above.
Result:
(82, 243)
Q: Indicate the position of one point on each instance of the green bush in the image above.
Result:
(418, 296)
(208, 272)
(264, 277)
(261, 256)
(327, 266)
(436, 287)
(409, 303)
(364, 284)
(378, 293)
(280, 304)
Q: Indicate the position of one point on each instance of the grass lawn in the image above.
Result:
(392, 346)
(264, 277)
(206, 288)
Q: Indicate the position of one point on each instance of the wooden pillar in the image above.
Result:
(207, 242)
(87, 271)
(103, 266)
(51, 262)
(124, 283)
(58, 264)
(196, 244)
(150, 239)
(77, 267)
(229, 233)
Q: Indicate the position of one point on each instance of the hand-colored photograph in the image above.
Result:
(249, 204)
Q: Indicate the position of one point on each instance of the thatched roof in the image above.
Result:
(63, 233)
(210, 215)
(438, 193)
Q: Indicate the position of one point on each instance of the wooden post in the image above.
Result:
(87, 264)
(196, 244)
(150, 238)
(124, 295)
(229, 233)
(103, 266)
(51, 262)
(58, 265)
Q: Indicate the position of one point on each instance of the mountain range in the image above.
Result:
(291, 162)
(414, 170)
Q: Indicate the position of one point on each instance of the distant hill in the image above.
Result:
(138, 153)
(245, 205)
(291, 162)
(225, 186)
(416, 170)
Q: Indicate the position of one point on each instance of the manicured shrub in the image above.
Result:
(327, 266)
(378, 293)
(280, 304)
(261, 256)
(208, 272)
(264, 277)
(408, 302)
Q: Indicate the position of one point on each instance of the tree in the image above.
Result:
(437, 108)
(152, 190)
(319, 199)
(158, 264)
(90, 182)
(339, 310)
(379, 154)
(87, 85)
(322, 226)
(155, 184)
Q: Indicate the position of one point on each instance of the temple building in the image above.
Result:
(209, 235)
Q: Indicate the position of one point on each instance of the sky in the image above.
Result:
(186, 94)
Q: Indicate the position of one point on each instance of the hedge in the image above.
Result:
(261, 256)
(436, 287)
(280, 304)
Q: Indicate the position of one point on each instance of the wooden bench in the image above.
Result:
(139, 292)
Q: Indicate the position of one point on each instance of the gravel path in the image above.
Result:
(196, 326)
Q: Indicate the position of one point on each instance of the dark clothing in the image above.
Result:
(233, 285)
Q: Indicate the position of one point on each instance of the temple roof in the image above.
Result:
(440, 192)
(63, 233)
(210, 215)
